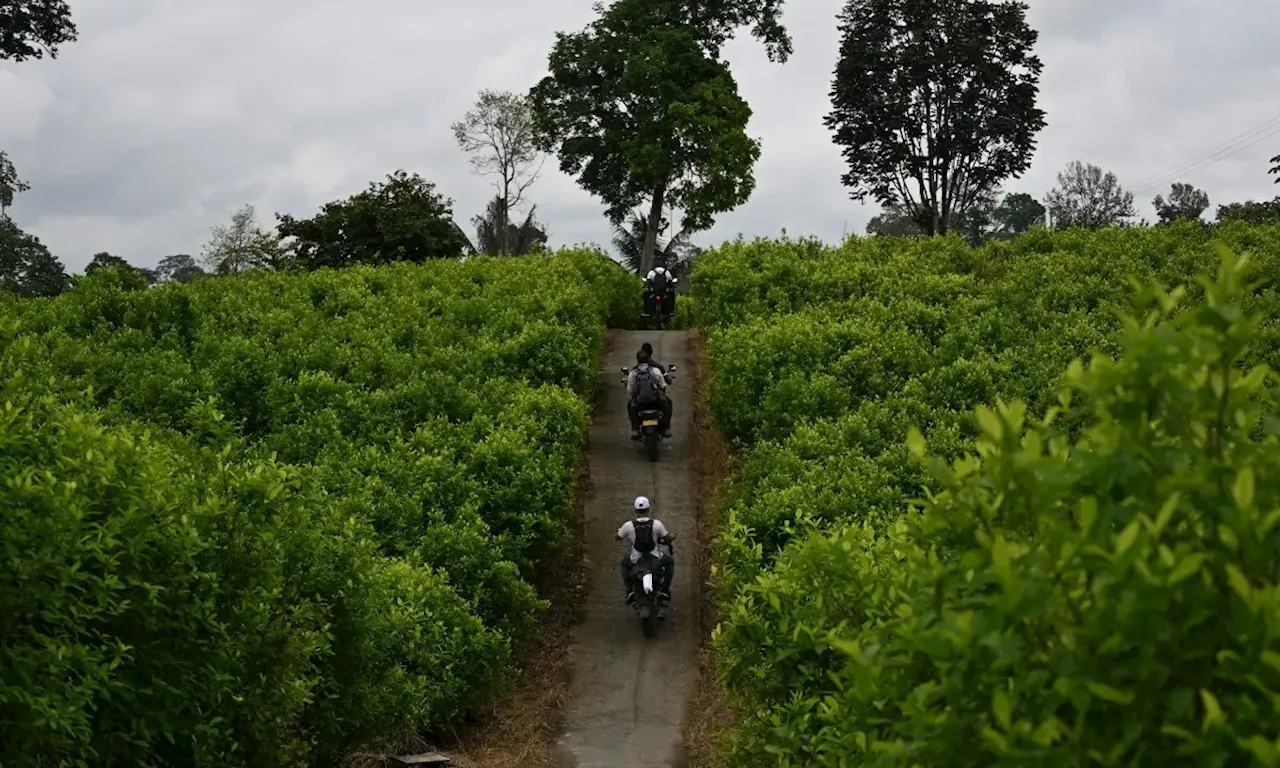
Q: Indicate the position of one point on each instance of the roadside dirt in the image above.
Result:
(713, 463)
(630, 695)
(522, 728)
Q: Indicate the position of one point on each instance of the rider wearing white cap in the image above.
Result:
(645, 534)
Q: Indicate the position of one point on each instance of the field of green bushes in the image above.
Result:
(268, 519)
(1014, 505)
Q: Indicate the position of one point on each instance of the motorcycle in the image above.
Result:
(660, 317)
(648, 603)
(651, 420)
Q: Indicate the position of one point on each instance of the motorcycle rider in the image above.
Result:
(645, 534)
(647, 348)
(645, 388)
(660, 282)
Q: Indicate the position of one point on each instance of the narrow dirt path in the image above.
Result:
(630, 694)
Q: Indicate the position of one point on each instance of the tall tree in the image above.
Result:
(518, 240)
(10, 185)
(1185, 202)
(30, 29)
(639, 106)
(180, 268)
(1017, 214)
(498, 134)
(241, 245)
(1275, 168)
(401, 219)
(26, 266)
(676, 254)
(1088, 197)
(934, 103)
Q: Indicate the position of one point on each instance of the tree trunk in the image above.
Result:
(504, 216)
(651, 229)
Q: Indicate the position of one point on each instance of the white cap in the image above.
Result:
(642, 502)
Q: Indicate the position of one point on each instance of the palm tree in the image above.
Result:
(675, 254)
(521, 240)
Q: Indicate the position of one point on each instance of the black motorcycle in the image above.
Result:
(651, 420)
(658, 315)
(645, 578)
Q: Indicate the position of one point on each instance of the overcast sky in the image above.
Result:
(165, 116)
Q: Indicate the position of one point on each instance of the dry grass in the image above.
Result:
(708, 713)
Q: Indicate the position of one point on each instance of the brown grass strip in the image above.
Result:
(708, 715)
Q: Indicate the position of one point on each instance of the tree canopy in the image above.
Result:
(32, 29)
(180, 268)
(1185, 202)
(27, 268)
(401, 219)
(1016, 214)
(1251, 212)
(636, 109)
(108, 261)
(241, 245)
(934, 103)
(10, 185)
(1087, 197)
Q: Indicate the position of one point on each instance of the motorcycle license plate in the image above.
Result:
(649, 423)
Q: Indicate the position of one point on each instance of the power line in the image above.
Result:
(1238, 143)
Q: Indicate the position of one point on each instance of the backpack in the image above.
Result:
(644, 536)
(658, 284)
(646, 388)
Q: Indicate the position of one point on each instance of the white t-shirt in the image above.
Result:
(628, 532)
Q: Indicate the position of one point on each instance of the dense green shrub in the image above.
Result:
(856, 635)
(266, 519)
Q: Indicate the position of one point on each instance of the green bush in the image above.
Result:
(160, 610)
(267, 519)
(855, 634)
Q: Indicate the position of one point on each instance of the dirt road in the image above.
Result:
(630, 693)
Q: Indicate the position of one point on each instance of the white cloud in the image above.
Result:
(165, 117)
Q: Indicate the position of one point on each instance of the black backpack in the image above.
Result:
(646, 388)
(644, 536)
(659, 283)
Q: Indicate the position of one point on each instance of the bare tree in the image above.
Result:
(498, 134)
(241, 245)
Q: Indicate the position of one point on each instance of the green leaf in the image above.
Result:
(1243, 489)
(1166, 512)
(1127, 537)
(915, 442)
(1110, 694)
(990, 423)
(1001, 562)
(1001, 708)
(1186, 568)
(1240, 584)
(1212, 710)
